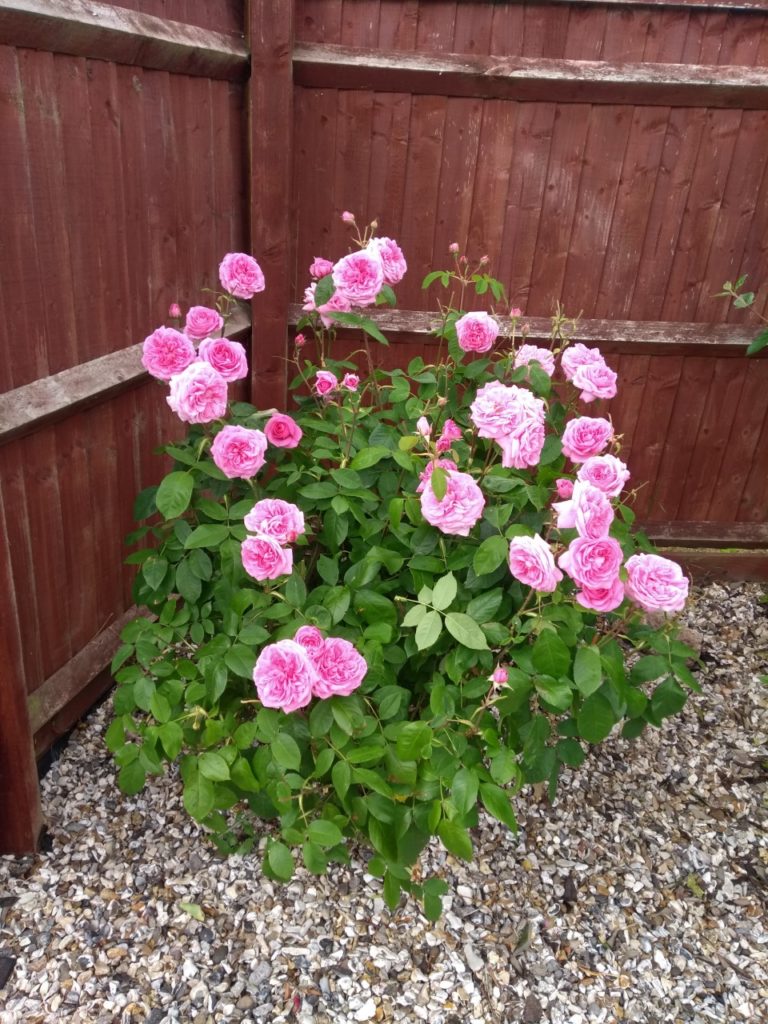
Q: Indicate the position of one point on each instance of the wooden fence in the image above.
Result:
(610, 155)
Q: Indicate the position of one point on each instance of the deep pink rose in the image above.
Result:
(226, 357)
(476, 332)
(272, 517)
(239, 452)
(605, 599)
(351, 382)
(340, 668)
(391, 256)
(460, 507)
(264, 559)
(198, 394)
(320, 267)
(299, 341)
(532, 353)
(586, 436)
(284, 676)
(564, 487)
(500, 675)
(589, 510)
(337, 303)
(579, 355)
(515, 313)
(241, 275)
(605, 472)
(531, 561)
(166, 352)
(202, 322)
(358, 277)
(592, 563)
(283, 431)
(325, 382)
(449, 434)
(426, 473)
(657, 584)
(595, 380)
(311, 639)
(174, 311)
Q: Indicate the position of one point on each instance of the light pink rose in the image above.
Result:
(283, 431)
(284, 676)
(198, 394)
(515, 313)
(351, 382)
(202, 322)
(499, 410)
(523, 446)
(226, 357)
(449, 434)
(174, 311)
(564, 487)
(347, 217)
(589, 510)
(605, 599)
(500, 675)
(595, 380)
(476, 332)
(531, 561)
(272, 517)
(586, 436)
(532, 353)
(579, 355)
(657, 584)
(311, 639)
(239, 452)
(340, 668)
(358, 277)
(460, 507)
(325, 382)
(423, 426)
(605, 472)
(309, 298)
(241, 275)
(320, 267)
(453, 247)
(391, 256)
(592, 563)
(265, 559)
(166, 352)
(337, 303)
(426, 473)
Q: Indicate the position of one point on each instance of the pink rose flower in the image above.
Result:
(523, 447)
(167, 352)
(586, 436)
(595, 380)
(309, 298)
(283, 431)
(226, 357)
(589, 510)
(198, 394)
(531, 562)
(592, 563)
(449, 434)
(499, 410)
(337, 303)
(299, 341)
(602, 599)
(515, 313)
(500, 675)
(657, 584)
(358, 277)
(460, 507)
(453, 247)
(564, 487)
(351, 382)
(272, 517)
(423, 426)
(202, 322)
(347, 217)
(265, 559)
(476, 332)
(241, 275)
(311, 639)
(284, 676)
(325, 382)
(239, 452)
(532, 353)
(425, 475)
(340, 668)
(605, 472)
(579, 355)
(174, 311)
(391, 256)
(320, 267)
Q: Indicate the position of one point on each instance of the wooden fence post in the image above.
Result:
(270, 32)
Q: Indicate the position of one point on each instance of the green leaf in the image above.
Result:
(198, 794)
(314, 859)
(240, 660)
(438, 481)
(484, 607)
(131, 778)
(654, 666)
(159, 707)
(154, 570)
(143, 692)
(188, 582)
(369, 457)
(570, 752)
(668, 698)
(428, 630)
(295, 590)
(490, 555)
(444, 592)
(496, 802)
(414, 741)
(174, 494)
(556, 692)
(464, 790)
(285, 750)
(242, 775)
(324, 833)
(194, 910)
(213, 766)
(455, 839)
(328, 568)
(209, 535)
(760, 342)
(280, 860)
(587, 670)
(323, 489)
(550, 655)
(436, 275)
(595, 718)
(341, 776)
(466, 631)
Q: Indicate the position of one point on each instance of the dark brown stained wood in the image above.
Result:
(354, 131)
(743, 6)
(58, 689)
(530, 79)
(492, 182)
(461, 169)
(270, 35)
(319, 20)
(85, 28)
(703, 566)
(706, 534)
(398, 25)
(29, 406)
(360, 22)
(753, 507)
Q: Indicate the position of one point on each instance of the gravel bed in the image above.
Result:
(639, 896)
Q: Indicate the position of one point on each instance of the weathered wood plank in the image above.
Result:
(706, 565)
(25, 408)
(707, 534)
(530, 79)
(738, 6)
(85, 28)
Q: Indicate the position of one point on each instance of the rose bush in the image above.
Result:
(399, 602)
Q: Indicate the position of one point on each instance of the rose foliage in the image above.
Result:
(398, 603)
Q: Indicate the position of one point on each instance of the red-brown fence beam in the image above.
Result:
(531, 79)
(737, 6)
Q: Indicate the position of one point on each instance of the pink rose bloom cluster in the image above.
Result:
(586, 369)
(202, 322)
(275, 523)
(239, 452)
(586, 436)
(476, 332)
(514, 418)
(531, 561)
(289, 673)
(283, 431)
(449, 434)
(533, 354)
(460, 507)
(241, 275)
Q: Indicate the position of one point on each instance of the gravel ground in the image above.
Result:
(639, 896)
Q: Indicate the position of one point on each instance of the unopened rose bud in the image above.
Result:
(423, 427)
(564, 487)
(442, 400)
(174, 310)
(347, 217)
(484, 260)
(525, 328)
(453, 247)
(299, 340)
(463, 259)
(374, 225)
(500, 675)
(515, 313)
